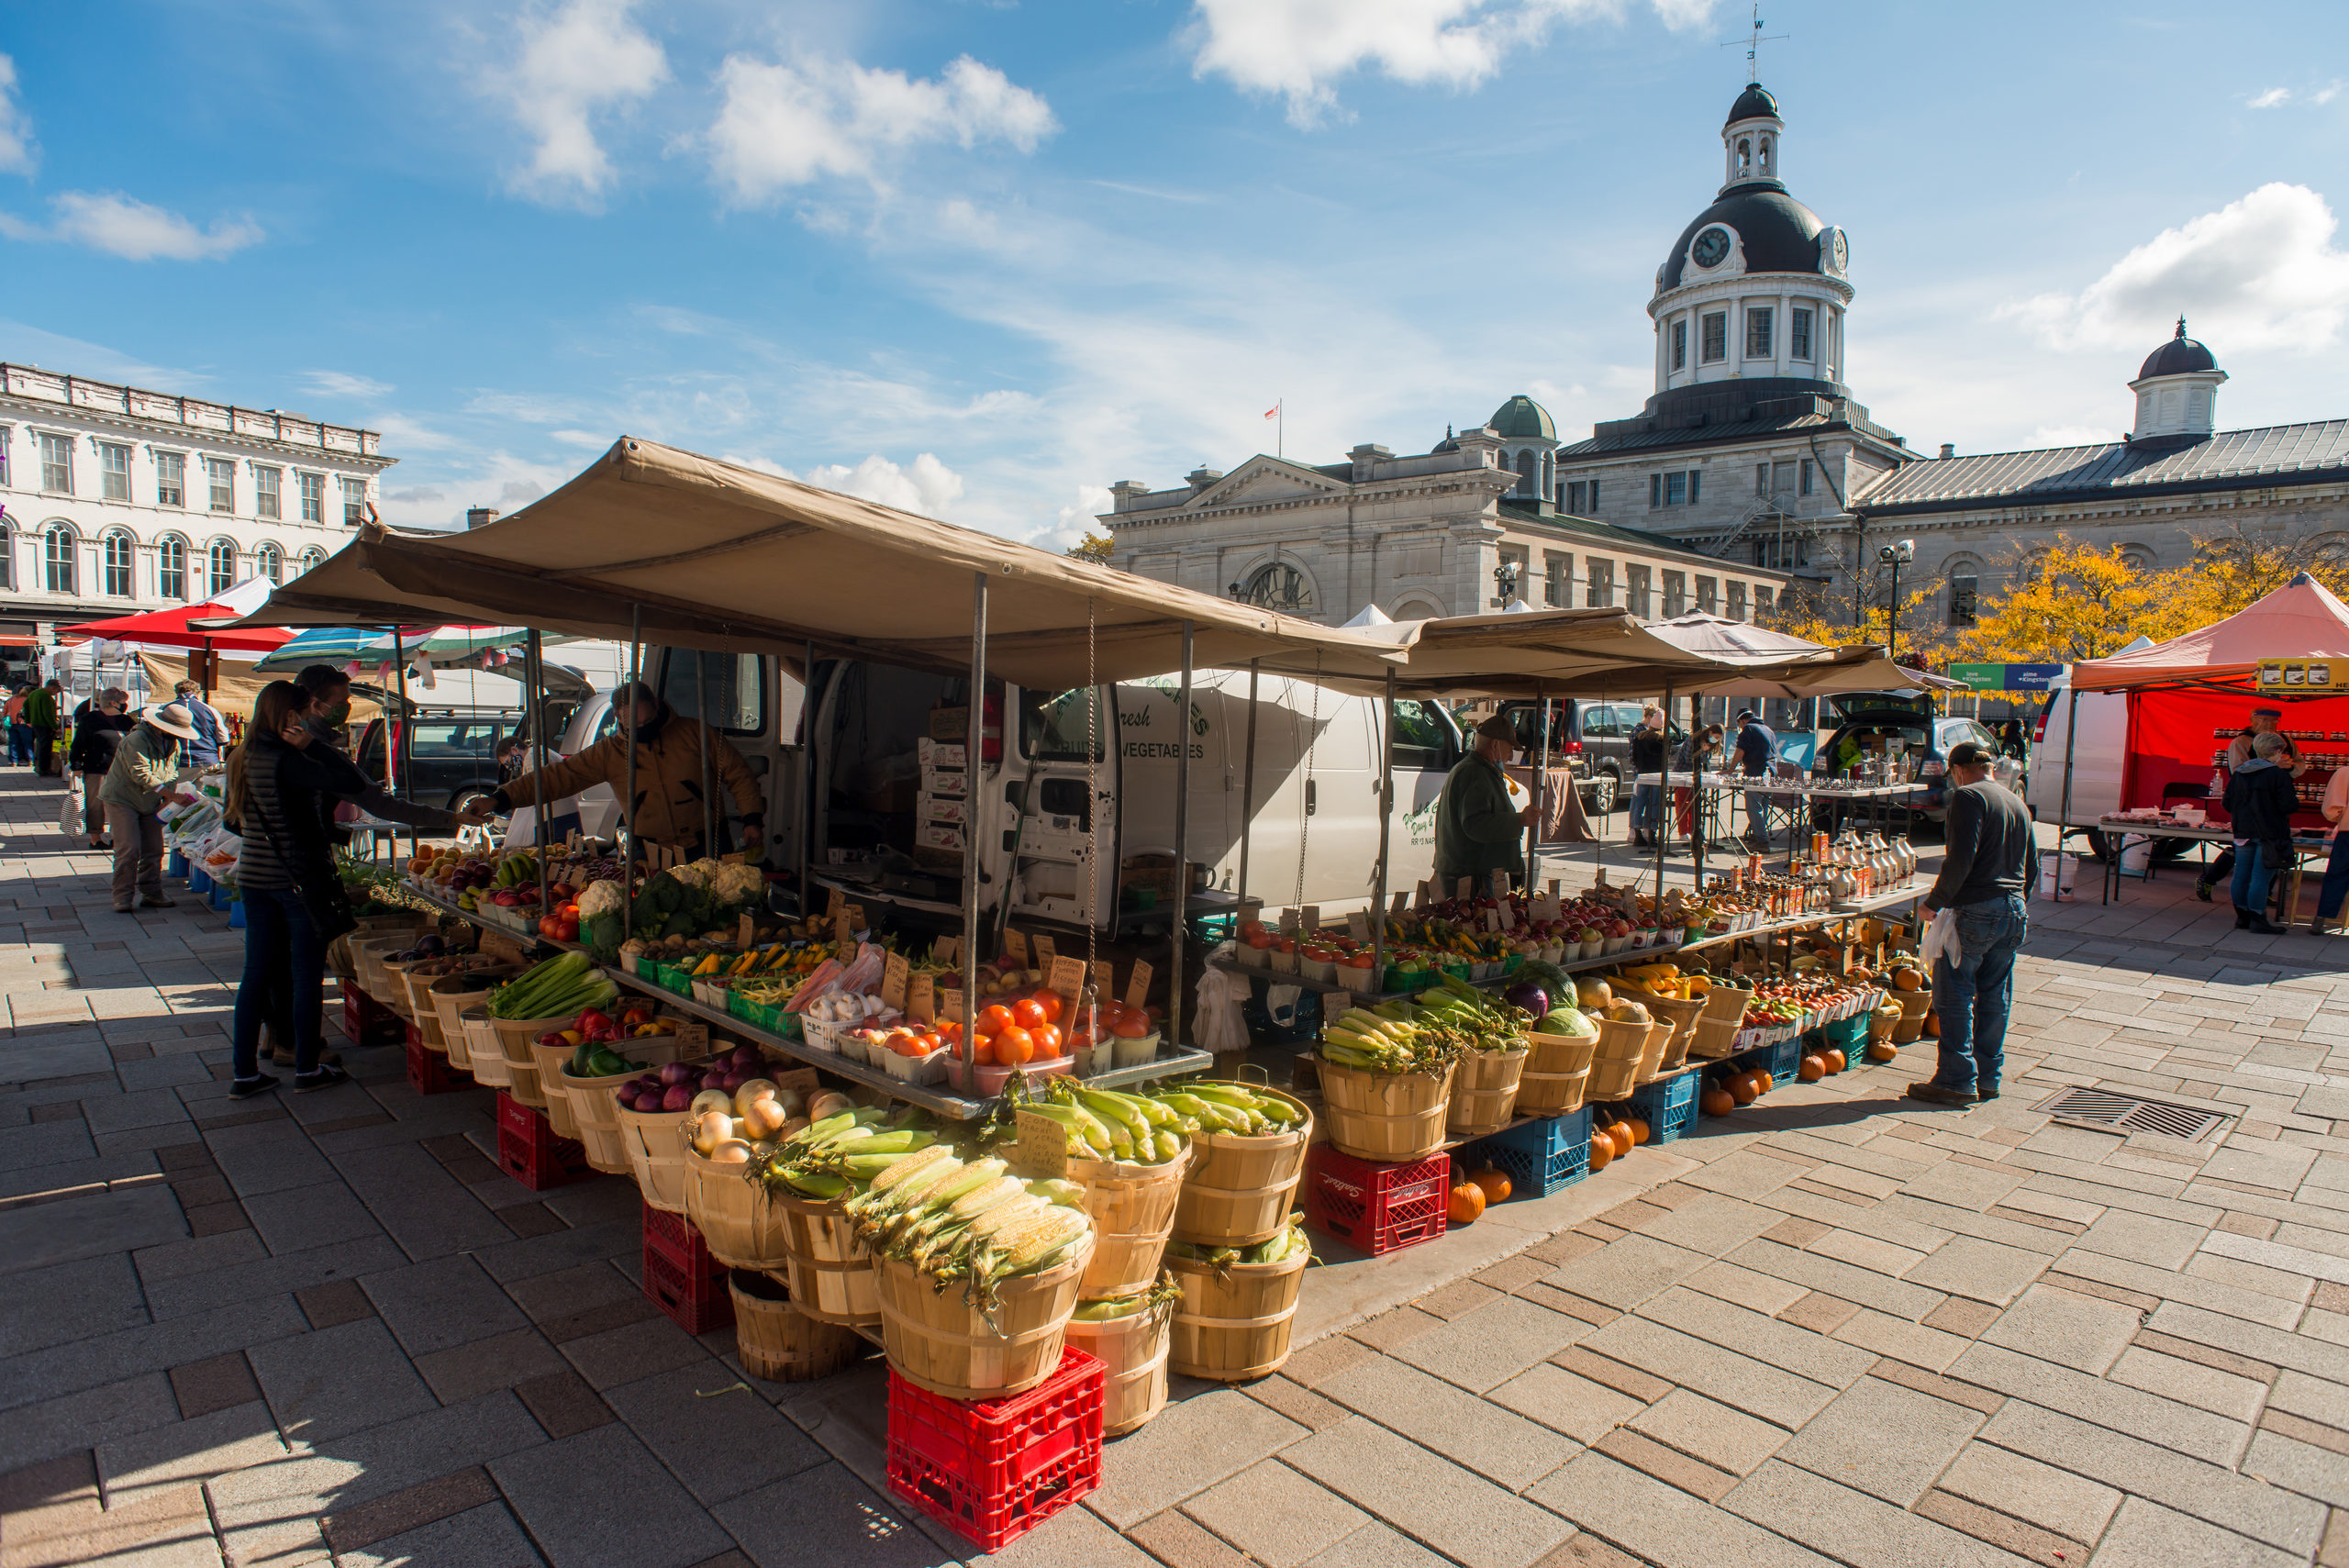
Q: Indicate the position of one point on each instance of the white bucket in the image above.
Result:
(2055, 873)
(2136, 855)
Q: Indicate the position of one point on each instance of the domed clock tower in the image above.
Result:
(1754, 288)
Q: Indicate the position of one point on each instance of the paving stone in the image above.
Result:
(1776, 1395)
(2209, 1493)
(483, 1537)
(2189, 1382)
(1900, 1339)
(776, 1524)
(1493, 1345)
(138, 1467)
(39, 1235)
(1868, 1252)
(217, 1383)
(634, 1513)
(1276, 1515)
(1899, 1298)
(68, 1301)
(1730, 1282)
(305, 1218)
(43, 1429)
(1850, 1525)
(87, 1364)
(2280, 1167)
(465, 1371)
(1500, 1446)
(2071, 1330)
(337, 1381)
(2191, 1289)
(1186, 1447)
(334, 1301)
(637, 1351)
(1711, 1223)
(2143, 1237)
(1659, 1523)
(720, 1445)
(2312, 1398)
(2306, 1468)
(441, 1303)
(2147, 1533)
(563, 1403)
(1883, 1439)
(1073, 1538)
(1782, 1345)
(2001, 1531)
(1376, 1546)
(1667, 1464)
(1726, 1438)
(2056, 1500)
(1314, 1363)
(1630, 1270)
(1428, 1498)
(1566, 1402)
(1297, 1402)
(1963, 1318)
(170, 1529)
(1963, 1186)
(1984, 1271)
(1175, 1538)
(1819, 1313)
(322, 1279)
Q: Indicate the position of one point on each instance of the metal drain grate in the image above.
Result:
(2111, 1112)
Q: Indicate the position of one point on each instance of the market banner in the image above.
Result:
(2006, 677)
(2324, 676)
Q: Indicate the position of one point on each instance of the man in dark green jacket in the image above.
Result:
(1477, 830)
(44, 716)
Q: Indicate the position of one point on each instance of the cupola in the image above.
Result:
(2178, 390)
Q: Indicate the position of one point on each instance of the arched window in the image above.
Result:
(1529, 462)
(1280, 586)
(2139, 558)
(171, 567)
(7, 553)
(57, 556)
(224, 567)
(312, 557)
(1765, 155)
(115, 556)
(269, 563)
(1745, 155)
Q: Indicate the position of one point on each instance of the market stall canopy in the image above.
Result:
(372, 645)
(727, 558)
(186, 626)
(2302, 619)
(235, 689)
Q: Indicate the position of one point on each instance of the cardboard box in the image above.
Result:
(950, 724)
(942, 753)
(940, 836)
(943, 809)
(944, 781)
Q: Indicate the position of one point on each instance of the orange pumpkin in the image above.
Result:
(1639, 1133)
(1468, 1203)
(1906, 979)
(1813, 1068)
(1624, 1142)
(1716, 1101)
(1883, 1051)
(1932, 1025)
(1602, 1151)
(1494, 1183)
(1741, 1089)
(1835, 1062)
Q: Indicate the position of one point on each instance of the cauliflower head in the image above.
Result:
(601, 898)
(737, 885)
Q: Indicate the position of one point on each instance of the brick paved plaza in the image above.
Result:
(1833, 1328)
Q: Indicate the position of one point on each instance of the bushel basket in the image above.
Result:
(935, 1341)
(1483, 1092)
(830, 1273)
(1556, 1073)
(1133, 1210)
(1385, 1117)
(1133, 1351)
(1233, 1324)
(1239, 1190)
(779, 1342)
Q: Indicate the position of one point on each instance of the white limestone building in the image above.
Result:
(115, 500)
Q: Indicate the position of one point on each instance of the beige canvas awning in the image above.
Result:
(722, 557)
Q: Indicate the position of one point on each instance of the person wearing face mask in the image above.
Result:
(97, 736)
(283, 787)
(1648, 744)
(668, 805)
(1477, 829)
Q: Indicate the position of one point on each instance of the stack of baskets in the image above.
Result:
(1389, 1118)
(1483, 1092)
(1556, 1073)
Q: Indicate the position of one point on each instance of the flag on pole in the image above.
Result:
(1273, 412)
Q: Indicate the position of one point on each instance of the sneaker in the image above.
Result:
(158, 903)
(1934, 1094)
(319, 1077)
(246, 1088)
(2202, 889)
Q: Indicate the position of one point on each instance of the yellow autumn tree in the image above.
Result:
(1092, 547)
(2234, 570)
(1800, 614)
(2069, 602)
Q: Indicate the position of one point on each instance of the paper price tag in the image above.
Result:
(1045, 952)
(832, 905)
(921, 999)
(1467, 890)
(1500, 883)
(1358, 925)
(1016, 944)
(1401, 902)
(1508, 913)
(1138, 984)
(1105, 978)
(844, 929)
(1492, 920)
(1287, 926)
(744, 932)
(1251, 909)
(856, 917)
(950, 1005)
(1336, 1004)
(1310, 918)
(1067, 977)
(894, 974)
(947, 950)
(693, 1041)
(1424, 895)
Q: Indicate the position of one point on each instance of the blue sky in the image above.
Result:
(984, 259)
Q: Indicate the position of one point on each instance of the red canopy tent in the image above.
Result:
(176, 628)
(2189, 696)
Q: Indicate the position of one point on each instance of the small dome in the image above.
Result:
(1522, 418)
(1753, 105)
(2180, 356)
(1780, 234)
(1450, 443)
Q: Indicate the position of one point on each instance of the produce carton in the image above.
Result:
(936, 753)
(945, 781)
(942, 809)
(940, 836)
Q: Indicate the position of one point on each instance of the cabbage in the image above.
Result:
(1568, 1021)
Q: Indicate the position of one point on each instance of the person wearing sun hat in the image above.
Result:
(145, 773)
(1477, 830)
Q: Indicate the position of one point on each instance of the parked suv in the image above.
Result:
(1924, 735)
(449, 756)
(1591, 740)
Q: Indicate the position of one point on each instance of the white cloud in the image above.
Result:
(783, 126)
(1076, 520)
(342, 384)
(584, 58)
(928, 488)
(2272, 98)
(2326, 93)
(1299, 49)
(2074, 436)
(120, 226)
(18, 154)
(2261, 272)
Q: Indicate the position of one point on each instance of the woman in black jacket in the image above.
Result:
(281, 797)
(1647, 757)
(2260, 801)
(97, 732)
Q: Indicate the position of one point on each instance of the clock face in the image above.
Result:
(1837, 250)
(1711, 248)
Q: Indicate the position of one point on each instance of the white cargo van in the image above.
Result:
(892, 810)
(2099, 750)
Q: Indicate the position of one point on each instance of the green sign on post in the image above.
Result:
(1980, 677)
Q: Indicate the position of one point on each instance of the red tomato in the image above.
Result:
(983, 1052)
(1079, 1038)
(996, 1019)
(1028, 1013)
(950, 1033)
(1014, 1046)
(1131, 1025)
(929, 1042)
(1048, 1040)
(1050, 1002)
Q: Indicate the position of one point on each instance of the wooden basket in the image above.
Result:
(1726, 1002)
(452, 995)
(1715, 1038)
(484, 1058)
(742, 1226)
(1914, 1005)
(1619, 1041)
(515, 1037)
(779, 1342)
(1660, 1033)
(1682, 1016)
(1233, 1325)
(1239, 1191)
(1484, 1093)
(1556, 1073)
(595, 1111)
(394, 993)
(1133, 1210)
(935, 1341)
(562, 1115)
(1882, 1023)
(1385, 1117)
(656, 1149)
(831, 1275)
(367, 961)
(1133, 1352)
(1611, 1080)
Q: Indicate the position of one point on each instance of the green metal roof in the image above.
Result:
(1522, 418)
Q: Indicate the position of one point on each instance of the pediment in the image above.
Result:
(1265, 479)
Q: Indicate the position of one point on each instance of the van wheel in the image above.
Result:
(1603, 789)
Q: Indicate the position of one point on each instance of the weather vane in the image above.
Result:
(1754, 43)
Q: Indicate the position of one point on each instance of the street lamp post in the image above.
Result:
(1893, 555)
(1504, 579)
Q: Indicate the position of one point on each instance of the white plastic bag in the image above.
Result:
(1219, 1026)
(1941, 942)
(69, 812)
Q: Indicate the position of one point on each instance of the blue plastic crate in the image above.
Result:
(176, 863)
(197, 881)
(1668, 1106)
(1783, 1060)
(1849, 1035)
(1539, 1157)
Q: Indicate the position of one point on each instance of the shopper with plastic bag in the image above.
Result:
(145, 773)
(99, 727)
(1985, 875)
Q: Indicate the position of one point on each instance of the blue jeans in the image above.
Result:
(2336, 879)
(2249, 889)
(284, 981)
(1646, 803)
(1974, 995)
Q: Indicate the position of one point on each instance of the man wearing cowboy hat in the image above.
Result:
(1477, 831)
(145, 774)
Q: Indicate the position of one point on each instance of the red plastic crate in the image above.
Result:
(529, 1150)
(366, 1021)
(995, 1469)
(696, 1303)
(1375, 1207)
(677, 1242)
(429, 1072)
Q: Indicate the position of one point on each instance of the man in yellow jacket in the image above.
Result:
(668, 805)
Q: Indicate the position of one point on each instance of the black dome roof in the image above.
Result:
(1780, 234)
(2179, 356)
(1752, 103)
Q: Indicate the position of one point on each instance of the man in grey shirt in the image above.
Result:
(1984, 876)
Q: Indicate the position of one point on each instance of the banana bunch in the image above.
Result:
(970, 1220)
(1381, 1042)
(1201, 1106)
(515, 869)
(842, 1153)
(1111, 1125)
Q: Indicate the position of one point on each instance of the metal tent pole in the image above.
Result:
(626, 730)
(396, 758)
(806, 811)
(708, 792)
(2064, 812)
(536, 671)
(1541, 792)
(1663, 800)
(1385, 831)
(1248, 778)
(1182, 849)
(973, 741)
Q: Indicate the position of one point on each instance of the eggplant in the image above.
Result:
(1529, 995)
